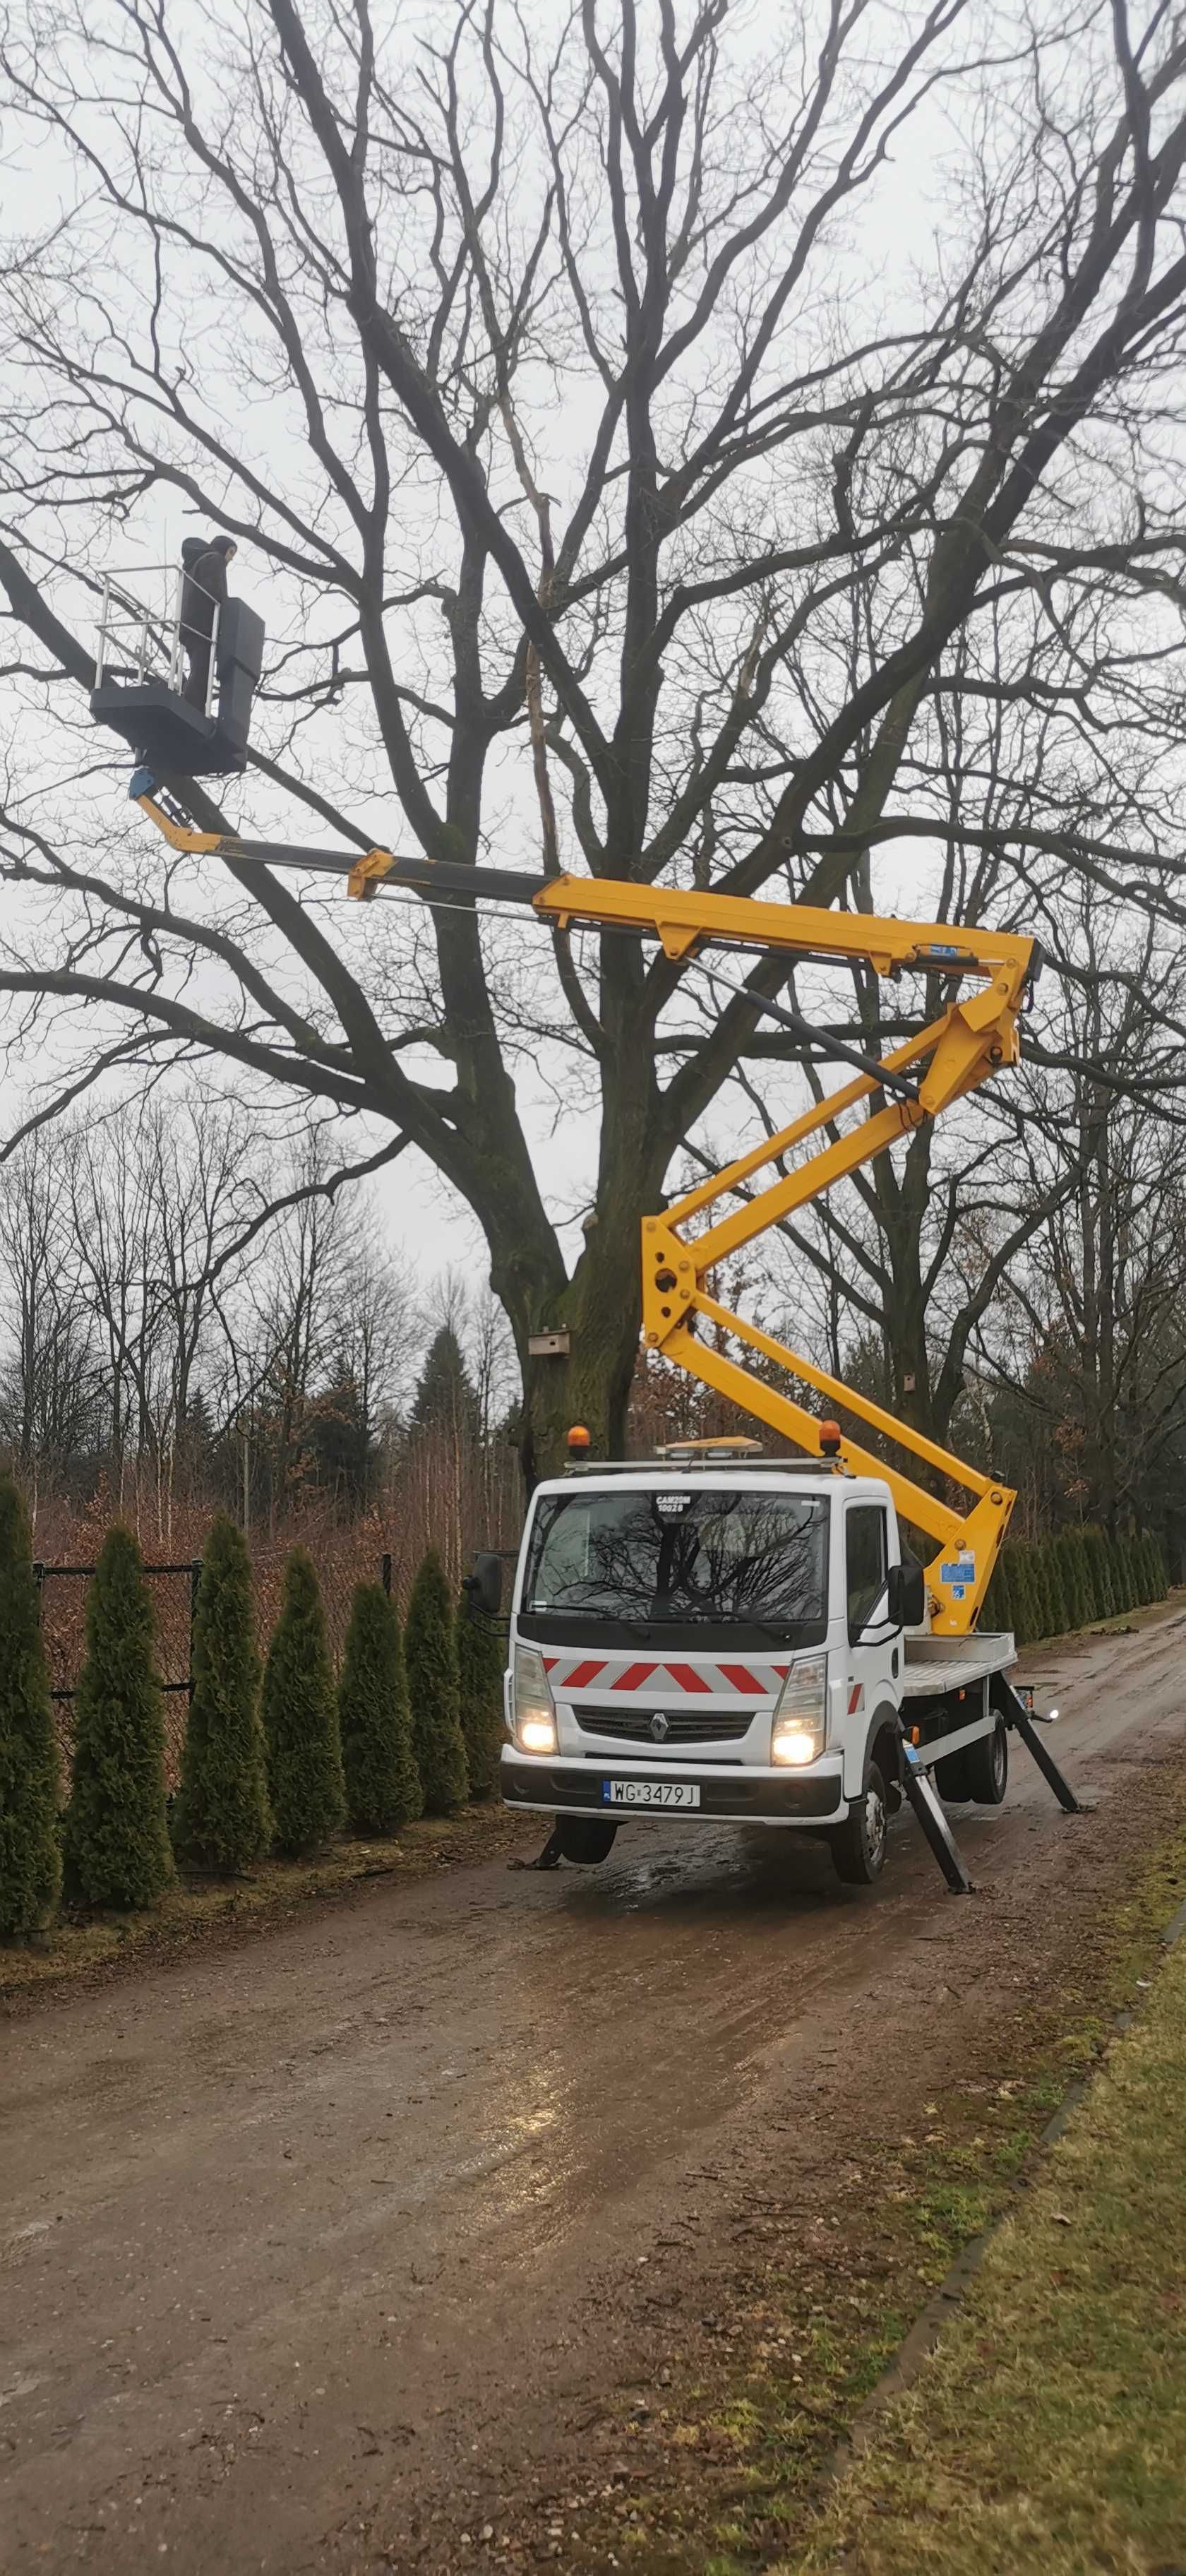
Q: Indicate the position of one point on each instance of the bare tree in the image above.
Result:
(49, 1386)
(704, 615)
(1090, 1335)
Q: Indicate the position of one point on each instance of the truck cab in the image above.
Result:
(721, 1637)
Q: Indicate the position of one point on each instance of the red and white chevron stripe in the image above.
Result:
(665, 1680)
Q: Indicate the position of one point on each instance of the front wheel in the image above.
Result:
(988, 1767)
(858, 1845)
(584, 1838)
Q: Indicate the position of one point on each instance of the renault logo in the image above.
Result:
(659, 1728)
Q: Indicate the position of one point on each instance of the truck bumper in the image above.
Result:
(813, 1797)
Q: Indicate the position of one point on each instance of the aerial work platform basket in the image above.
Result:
(193, 726)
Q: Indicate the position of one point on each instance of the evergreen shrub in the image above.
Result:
(222, 1821)
(305, 1785)
(480, 1662)
(116, 1840)
(383, 1788)
(30, 1855)
(434, 1688)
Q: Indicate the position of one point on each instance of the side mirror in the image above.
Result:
(484, 1585)
(906, 1593)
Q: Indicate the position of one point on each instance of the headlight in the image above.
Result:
(535, 1717)
(800, 1729)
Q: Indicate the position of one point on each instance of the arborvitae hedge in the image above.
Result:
(480, 1659)
(116, 1842)
(1043, 1611)
(1099, 1559)
(1045, 1588)
(998, 1603)
(222, 1820)
(1016, 1570)
(1086, 1580)
(1158, 1587)
(383, 1788)
(30, 1858)
(1058, 1608)
(1074, 1579)
(300, 1717)
(434, 1688)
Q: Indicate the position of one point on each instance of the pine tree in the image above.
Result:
(30, 1859)
(383, 1788)
(435, 1691)
(116, 1841)
(300, 1717)
(480, 1666)
(445, 1399)
(222, 1821)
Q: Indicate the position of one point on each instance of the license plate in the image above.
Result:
(650, 1793)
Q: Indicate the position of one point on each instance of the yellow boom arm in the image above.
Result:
(976, 1034)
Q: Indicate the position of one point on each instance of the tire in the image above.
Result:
(858, 1845)
(585, 1838)
(951, 1779)
(988, 1767)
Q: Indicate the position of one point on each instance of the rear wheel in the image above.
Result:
(951, 1778)
(858, 1845)
(584, 1838)
(988, 1767)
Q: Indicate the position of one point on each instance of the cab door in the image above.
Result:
(874, 1646)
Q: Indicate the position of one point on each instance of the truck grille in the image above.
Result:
(633, 1726)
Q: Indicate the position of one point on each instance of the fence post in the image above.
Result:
(195, 1576)
(387, 1572)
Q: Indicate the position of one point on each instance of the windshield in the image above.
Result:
(680, 1556)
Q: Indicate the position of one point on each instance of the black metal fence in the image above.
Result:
(62, 1593)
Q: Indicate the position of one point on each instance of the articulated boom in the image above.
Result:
(975, 1035)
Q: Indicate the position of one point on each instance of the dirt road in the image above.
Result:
(321, 2252)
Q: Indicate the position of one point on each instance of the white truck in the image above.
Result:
(727, 1637)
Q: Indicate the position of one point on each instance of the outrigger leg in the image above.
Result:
(924, 1798)
(1005, 1700)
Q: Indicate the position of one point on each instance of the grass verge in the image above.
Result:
(723, 2474)
(1047, 2432)
(202, 1910)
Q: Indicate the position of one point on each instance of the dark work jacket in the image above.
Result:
(204, 583)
